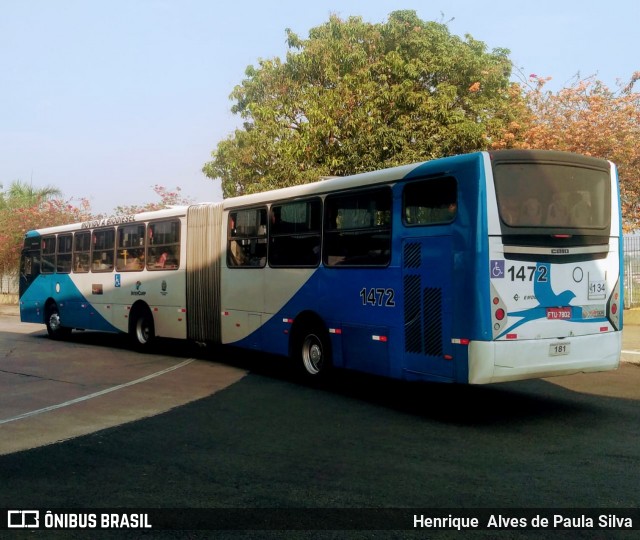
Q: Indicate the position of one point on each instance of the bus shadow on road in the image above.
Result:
(514, 402)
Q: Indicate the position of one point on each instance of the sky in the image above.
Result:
(105, 99)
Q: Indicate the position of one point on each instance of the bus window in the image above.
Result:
(294, 237)
(63, 258)
(430, 202)
(102, 255)
(163, 245)
(247, 238)
(538, 194)
(358, 229)
(130, 248)
(29, 266)
(48, 255)
(81, 252)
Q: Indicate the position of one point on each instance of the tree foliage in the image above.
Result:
(357, 96)
(23, 208)
(168, 198)
(588, 118)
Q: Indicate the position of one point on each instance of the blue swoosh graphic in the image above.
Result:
(546, 297)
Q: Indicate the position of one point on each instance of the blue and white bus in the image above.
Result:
(479, 268)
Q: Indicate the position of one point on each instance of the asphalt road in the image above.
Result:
(267, 440)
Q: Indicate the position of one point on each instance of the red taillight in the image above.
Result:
(496, 301)
(614, 308)
(500, 314)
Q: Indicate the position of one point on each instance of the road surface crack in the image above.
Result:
(35, 376)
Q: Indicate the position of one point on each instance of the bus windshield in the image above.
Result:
(552, 195)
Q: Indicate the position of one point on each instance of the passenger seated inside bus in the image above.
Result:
(135, 263)
(82, 262)
(130, 259)
(236, 254)
(530, 213)
(104, 262)
(581, 212)
(162, 258)
(557, 213)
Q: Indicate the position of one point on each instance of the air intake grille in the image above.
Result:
(412, 315)
(422, 306)
(412, 255)
(432, 321)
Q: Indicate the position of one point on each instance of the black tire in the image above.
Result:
(142, 330)
(313, 353)
(55, 329)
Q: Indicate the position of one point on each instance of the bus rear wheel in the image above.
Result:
(313, 353)
(142, 330)
(54, 324)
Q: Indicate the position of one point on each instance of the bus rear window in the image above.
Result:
(552, 195)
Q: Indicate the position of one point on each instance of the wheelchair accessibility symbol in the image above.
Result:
(117, 280)
(497, 269)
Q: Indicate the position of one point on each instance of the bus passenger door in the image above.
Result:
(30, 306)
(428, 297)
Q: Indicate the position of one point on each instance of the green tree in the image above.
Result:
(21, 195)
(358, 96)
(588, 118)
(24, 207)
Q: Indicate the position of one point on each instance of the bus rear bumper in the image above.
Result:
(501, 361)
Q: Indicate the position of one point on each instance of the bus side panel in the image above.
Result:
(360, 328)
(364, 305)
(468, 283)
(31, 304)
(365, 309)
(471, 319)
(616, 210)
(75, 310)
(428, 306)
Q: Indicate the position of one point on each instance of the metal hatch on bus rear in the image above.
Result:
(537, 300)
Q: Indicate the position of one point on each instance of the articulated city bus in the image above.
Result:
(479, 268)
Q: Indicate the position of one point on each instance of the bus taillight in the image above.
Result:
(499, 313)
(613, 306)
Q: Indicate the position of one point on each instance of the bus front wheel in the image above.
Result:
(142, 330)
(54, 324)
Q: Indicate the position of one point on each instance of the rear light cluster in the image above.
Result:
(498, 313)
(613, 306)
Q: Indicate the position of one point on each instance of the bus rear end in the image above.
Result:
(554, 303)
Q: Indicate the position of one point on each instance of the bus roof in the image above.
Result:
(174, 211)
(322, 186)
(341, 183)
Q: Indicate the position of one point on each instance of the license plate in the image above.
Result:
(559, 349)
(559, 313)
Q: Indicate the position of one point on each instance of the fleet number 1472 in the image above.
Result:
(527, 273)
